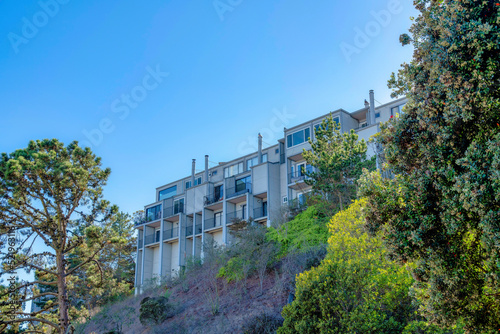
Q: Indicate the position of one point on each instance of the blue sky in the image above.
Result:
(155, 83)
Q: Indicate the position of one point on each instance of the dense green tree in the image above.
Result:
(338, 160)
(355, 289)
(442, 211)
(49, 192)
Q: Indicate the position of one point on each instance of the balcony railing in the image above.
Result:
(198, 229)
(240, 189)
(211, 199)
(152, 238)
(259, 212)
(189, 230)
(170, 233)
(298, 176)
(173, 210)
(231, 216)
(213, 222)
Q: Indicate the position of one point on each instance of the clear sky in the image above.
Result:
(156, 83)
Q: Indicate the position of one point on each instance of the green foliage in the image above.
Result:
(338, 159)
(445, 213)
(307, 229)
(355, 289)
(234, 269)
(154, 310)
(262, 324)
(53, 195)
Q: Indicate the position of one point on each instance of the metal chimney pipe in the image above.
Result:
(193, 170)
(372, 107)
(206, 168)
(260, 148)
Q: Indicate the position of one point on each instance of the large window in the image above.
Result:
(233, 170)
(153, 213)
(167, 193)
(255, 161)
(397, 110)
(179, 206)
(243, 184)
(218, 193)
(298, 137)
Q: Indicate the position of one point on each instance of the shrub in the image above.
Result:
(355, 289)
(262, 324)
(307, 229)
(154, 310)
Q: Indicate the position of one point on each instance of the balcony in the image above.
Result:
(231, 216)
(212, 199)
(300, 175)
(170, 233)
(259, 212)
(240, 189)
(173, 210)
(213, 222)
(152, 238)
(189, 230)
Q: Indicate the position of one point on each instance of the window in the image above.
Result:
(255, 161)
(282, 153)
(377, 115)
(335, 119)
(285, 199)
(233, 170)
(276, 151)
(218, 193)
(302, 199)
(214, 172)
(243, 184)
(153, 213)
(157, 237)
(197, 181)
(167, 193)
(178, 206)
(298, 137)
(264, 208)
(243, 209)
(397, 110)
(218, 218)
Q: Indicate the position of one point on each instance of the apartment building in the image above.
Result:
(202, 206)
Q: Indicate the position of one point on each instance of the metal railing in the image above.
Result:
(198, 229)
(259, 212)
(212, 222)
(239, 190)
(152, 238)
(170, 233)
(231, 216)
(189, 230)
(173, 210)
(298, 176)
(211, 199)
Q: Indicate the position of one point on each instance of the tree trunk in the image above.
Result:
(62, 294)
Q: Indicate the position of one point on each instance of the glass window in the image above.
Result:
(335, 119)
(167, 193)
(178, 206)
(218, 193)
(188, 184)
(153, 213)
(298, 137)
(264, 157)
(197, 181)
(218, 218)
(243, 183)
(377, 115)
(233, 170)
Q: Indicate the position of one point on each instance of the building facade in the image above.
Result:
(190, 211)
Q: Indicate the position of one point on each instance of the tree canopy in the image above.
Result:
(52, 195)
(442, 211)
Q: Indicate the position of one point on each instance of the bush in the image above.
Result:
(307, 229)
(262, 324)
(355, 289)
(154, 310)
